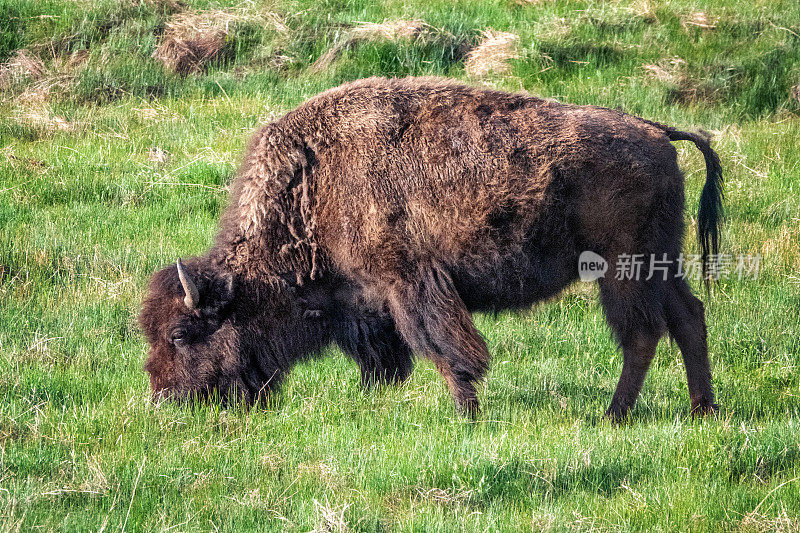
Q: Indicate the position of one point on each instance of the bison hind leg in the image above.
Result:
(434, 321)
(379, 350)
(686, 321)
(639, 313)
(634, 312)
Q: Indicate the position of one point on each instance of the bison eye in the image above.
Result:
(178, 337)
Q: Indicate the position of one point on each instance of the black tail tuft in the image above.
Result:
(709, 216)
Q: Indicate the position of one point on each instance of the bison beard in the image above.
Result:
(380, 214)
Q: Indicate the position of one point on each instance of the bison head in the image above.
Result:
(187, 318)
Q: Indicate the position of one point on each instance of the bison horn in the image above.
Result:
(192, 294)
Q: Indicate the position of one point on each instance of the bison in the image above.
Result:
(379, 214)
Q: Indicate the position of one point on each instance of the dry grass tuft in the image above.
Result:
(272, 462)
(554, 29)
(446, 498)
(75, 61)
(155, 111)
(699, 19)
(28, 72)
(146, 114)
(23, 65)
(643, 10)
(158, 155)
(320, 471)
(93, 484)
(330, 519)
(39, 93)
(781, 523)
(492, 54)
(277, 23)
(42, 118)
(194, 39)
(683, 86)
(543, 522)
(389, 30)
(795, 92)
(165, 6)
(658, 72)
(666, 70)
(324, 61)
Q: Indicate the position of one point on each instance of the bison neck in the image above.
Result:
(277, 331)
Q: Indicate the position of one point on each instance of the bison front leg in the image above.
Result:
(434, 321)
(378, 348)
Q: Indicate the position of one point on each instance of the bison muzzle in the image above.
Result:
(378, 215)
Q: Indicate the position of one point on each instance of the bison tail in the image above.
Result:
(709, 215)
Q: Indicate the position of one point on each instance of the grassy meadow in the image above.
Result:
(115, 157)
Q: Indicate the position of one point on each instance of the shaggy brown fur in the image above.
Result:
(379, 214)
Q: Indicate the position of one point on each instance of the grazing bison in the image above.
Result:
(378, 215)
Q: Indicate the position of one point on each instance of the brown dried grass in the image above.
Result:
(193, 40)
(699, 19)
(165, 6)
(683, 86)
(42, 118)
(388, 30)
(643, 10)
(29, 80)
(666, 70)
(556, 29)
(780, 523)
(158, 155)
(330, 519)
(492, 54)
(190, 55)
(23, 65)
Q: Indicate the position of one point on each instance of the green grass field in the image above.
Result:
(112, 165)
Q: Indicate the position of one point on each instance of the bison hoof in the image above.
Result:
(617, 413)
(469, 408)
(703, 408)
